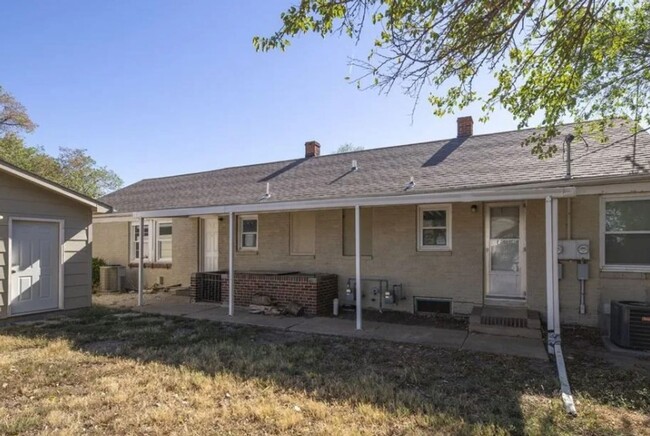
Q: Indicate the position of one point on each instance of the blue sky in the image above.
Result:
(155, 88)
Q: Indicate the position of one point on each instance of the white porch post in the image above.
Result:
(357, 261)
(141, 264)
(231, 264)
(552, 284)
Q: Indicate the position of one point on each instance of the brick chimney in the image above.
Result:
(465, 126)
(312, 149)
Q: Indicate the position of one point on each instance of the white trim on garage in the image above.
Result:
(99, 206)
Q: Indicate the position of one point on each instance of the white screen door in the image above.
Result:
(210, 244)
(505, 251)
(34, 266)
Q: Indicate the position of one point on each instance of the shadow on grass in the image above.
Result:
(478, 389)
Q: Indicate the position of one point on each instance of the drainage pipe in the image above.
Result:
(565, 388)
(583, 306)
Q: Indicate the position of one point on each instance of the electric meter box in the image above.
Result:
(575, 249)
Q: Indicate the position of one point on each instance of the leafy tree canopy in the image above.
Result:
(72, 168)
(348, 147)
(578, 59)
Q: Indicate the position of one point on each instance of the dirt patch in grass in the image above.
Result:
(89, 373)
(108, 347)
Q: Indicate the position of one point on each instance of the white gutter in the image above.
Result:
(392, 200)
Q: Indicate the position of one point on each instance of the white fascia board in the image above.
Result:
(618, 188)
(112, 218)
(395, 200)
(99, 207)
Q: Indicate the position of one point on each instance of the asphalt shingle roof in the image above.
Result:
(496, 159)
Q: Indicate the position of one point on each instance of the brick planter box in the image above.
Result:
(313, 291)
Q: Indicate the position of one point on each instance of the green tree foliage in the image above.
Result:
(579, 59)
(72, 168)
(13, 116)
(348, 147)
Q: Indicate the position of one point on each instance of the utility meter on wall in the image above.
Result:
(576, 249)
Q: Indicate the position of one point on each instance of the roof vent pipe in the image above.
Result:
(268, 192)
(410, 185)
(568, 139)
(355, 166)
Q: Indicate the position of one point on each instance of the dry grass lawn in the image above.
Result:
(103, 372)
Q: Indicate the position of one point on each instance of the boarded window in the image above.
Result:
(366, 232)
(303, 233)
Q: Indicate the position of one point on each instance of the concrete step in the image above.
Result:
(505, 321)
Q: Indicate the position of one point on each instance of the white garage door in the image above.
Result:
(34, 266)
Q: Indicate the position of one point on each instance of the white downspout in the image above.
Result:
(357, 261)
(231, 264)
(556, 275)
(569, 218)
(550, 304)
(553, 303)
(141, 265)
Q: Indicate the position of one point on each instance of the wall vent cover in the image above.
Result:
(432, 305)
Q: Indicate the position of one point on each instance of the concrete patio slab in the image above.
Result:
(522, 347)
(412, 334)
(178, 309)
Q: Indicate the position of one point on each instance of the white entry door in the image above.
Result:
(35, 252)
(211, 244)
(505, 251)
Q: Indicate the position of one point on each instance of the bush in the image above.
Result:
(97, 262)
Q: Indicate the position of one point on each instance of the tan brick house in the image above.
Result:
(447, 225)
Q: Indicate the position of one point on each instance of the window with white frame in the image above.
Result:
(626, 236)
(248, 231)
(164, 242)
(434, 227)
(155, 245)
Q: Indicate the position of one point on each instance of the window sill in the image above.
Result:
(626, 268)
(152, 265)
(313, 256)
(247, 252)
(611, 272)
(441, 252)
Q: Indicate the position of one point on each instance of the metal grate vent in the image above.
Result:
(430, 305)
(504, 321)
